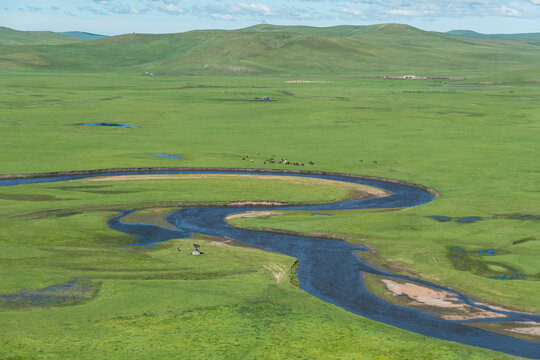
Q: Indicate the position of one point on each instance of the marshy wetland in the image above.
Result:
(169, 301)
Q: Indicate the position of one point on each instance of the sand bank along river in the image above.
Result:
(329, 269)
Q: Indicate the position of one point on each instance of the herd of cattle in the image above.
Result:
(273, 160)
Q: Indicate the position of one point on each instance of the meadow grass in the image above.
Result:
(161, 303)
(207, 189)
(385, 49)
(477, 146)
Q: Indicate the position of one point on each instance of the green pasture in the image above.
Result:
(160, 303)
(384, 49)
(157, 302)
(80, 195)
(417, 245)
(221, 310)
(478, 146)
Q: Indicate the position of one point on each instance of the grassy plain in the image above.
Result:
(477, 145)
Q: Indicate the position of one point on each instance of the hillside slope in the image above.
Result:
(82, 35)
(268, 49)
(525, 36)
(14, 37)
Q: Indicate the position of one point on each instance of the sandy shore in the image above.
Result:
(423, 295)
(533, 328)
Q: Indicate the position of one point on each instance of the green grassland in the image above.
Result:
(218, 190)
(416, 244)
(175, 305)
(524, 36)
(478, 146)
(161, 303)
(386, 49)
(158, 302)
(13, 37)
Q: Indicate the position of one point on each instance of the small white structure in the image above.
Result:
(196, 252)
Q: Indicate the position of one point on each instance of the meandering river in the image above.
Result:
(329, 269)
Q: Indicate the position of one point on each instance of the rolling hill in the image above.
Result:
(525, 36)
(268, 49)
(14, 37)
(82, 35)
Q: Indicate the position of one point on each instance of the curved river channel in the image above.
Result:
(329, 269)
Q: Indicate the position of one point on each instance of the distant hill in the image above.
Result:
(14, 37)
(526, 36)
(334, 31)
(82, 35)
(268, 49)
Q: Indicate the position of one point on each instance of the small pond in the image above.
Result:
(167, 156)
(110, 124)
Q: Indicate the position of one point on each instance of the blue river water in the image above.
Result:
(110, 124)
(329, 269)
(167, 156)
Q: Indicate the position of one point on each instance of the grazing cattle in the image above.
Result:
(273, 155)
(243, 158)
(375, 162)
(361, 160)
(311, 163)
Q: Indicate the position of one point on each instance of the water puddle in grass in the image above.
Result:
(486, 252)
(528, 217)
(514, 276)
(167, 156)
(320, 214)
(469, 219)
(110, 124)
(64, 294)
(519, 216)
(480, 252)
(441, 218)
(471, 260)
(472, 219)
(464, 220)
